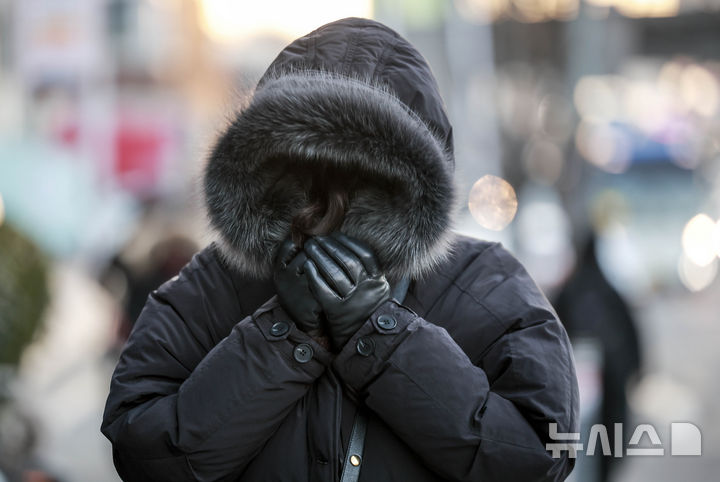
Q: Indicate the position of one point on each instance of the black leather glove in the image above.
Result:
(291, 285)
(346, 280)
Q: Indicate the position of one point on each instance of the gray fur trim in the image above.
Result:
(310, 117)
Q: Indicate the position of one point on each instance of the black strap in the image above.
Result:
(353, 457)
(400, 289)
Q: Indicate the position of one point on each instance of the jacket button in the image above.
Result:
(386, 322)
(279, 328)
(303, 353)
(365, 346)
(355, 460)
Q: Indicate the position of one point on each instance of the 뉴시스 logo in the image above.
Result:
(685, 439)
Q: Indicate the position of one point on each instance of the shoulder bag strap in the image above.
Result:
(353, 457)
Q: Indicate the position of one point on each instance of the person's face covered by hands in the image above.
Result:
(342, 278)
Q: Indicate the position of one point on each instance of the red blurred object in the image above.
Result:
(138, 156)
(69, 134)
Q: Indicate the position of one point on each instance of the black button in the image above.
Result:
(279, 328)
(386, 322)
(321, 460)
(303, 353)
(365, 346)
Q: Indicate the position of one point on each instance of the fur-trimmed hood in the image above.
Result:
(354, 94)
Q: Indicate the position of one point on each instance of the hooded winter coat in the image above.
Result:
(217, 383)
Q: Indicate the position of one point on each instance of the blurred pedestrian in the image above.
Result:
(338, 329)
(137, 280)
(592, 310)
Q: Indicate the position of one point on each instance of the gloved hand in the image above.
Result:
(291, 285)
(345, 279)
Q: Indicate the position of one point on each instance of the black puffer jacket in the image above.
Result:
(464, 387)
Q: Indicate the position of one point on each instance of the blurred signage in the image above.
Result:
(58, 37)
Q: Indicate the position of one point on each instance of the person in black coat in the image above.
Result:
(593, 310)
(332, 197)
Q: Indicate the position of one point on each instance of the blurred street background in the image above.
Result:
(587, 141)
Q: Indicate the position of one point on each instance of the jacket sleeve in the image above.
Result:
(468, 421)
(181, 409)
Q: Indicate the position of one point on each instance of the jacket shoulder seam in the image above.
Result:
(464, 290)
(453, 280)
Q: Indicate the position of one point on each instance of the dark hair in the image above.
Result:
(329, 190)
(323, 188)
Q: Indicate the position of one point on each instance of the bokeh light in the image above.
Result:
(647, 8)
(699, 240)
(493, 202)
(661, 111)
(544, 235)
(695, 277)
(645, 106)
(669, 75)
(605, 146)
(687, 152)
(544, 228)
(699, 90)
(596, 98)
